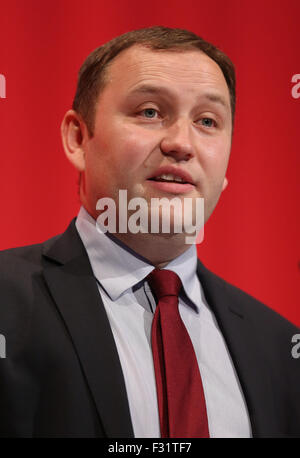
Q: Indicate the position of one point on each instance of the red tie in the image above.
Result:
(181, 402)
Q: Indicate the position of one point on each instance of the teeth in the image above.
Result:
(170, 177)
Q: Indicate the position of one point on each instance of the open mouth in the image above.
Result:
(169, 178)
(172, 180)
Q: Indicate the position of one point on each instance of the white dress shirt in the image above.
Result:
(130, 306)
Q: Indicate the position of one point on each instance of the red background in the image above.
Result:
(252, 240)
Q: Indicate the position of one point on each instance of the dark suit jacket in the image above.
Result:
(62, 376)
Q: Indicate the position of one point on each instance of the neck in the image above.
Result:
(158, 249)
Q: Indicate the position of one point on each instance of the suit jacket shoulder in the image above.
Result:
(263, 318)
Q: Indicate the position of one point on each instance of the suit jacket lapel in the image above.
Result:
(70, 279)
(245, 352)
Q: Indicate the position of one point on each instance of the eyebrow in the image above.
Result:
(149, 89)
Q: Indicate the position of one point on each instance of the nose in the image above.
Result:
(177, 141)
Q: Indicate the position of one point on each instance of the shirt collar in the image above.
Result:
(118, 268)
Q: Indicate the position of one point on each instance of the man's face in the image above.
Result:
(161, 113)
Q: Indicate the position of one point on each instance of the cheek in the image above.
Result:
(215, 157)
(121, 154)
(133, 146)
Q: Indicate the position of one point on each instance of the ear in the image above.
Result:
(225, 183)
(74, 133)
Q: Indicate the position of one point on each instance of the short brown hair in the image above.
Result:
(91, 78)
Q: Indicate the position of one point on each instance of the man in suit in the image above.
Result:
(153, 115)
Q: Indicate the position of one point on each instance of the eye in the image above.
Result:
(208, 122)
(149, 113)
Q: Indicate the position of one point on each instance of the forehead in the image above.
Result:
(188, 70)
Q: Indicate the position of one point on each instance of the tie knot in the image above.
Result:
(164, 283)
